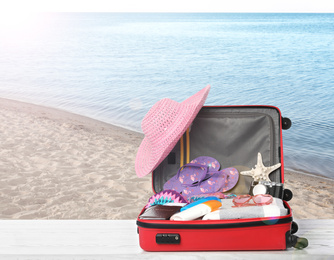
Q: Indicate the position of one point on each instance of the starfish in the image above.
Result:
(260, 172)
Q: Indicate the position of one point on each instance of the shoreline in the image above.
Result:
(59, 165)
(61, 115)
(310, 174)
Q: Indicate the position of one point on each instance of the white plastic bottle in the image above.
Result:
(197, 211)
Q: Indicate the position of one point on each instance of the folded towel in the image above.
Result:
(275, 209)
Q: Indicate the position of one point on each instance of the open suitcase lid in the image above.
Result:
(233, 135)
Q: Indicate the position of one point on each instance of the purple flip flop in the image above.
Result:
(196, 171)
(210, 162)
(232, 177)
(220, 181)
(210, 185)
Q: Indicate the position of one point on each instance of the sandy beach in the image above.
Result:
(58, 165)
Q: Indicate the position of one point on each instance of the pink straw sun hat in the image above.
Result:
(163, 126)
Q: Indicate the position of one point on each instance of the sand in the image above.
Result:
(58, 165)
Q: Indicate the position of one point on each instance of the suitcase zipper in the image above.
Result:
(215, 226)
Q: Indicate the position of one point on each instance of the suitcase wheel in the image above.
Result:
(294, 227)
(287, 195)
(286, 123)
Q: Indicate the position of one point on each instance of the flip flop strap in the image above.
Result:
(204, 179)
(193, 165)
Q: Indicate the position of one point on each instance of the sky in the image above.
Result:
(313, 6)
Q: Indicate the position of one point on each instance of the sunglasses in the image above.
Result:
(258, 200)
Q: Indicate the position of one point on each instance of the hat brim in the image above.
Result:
(148, 157)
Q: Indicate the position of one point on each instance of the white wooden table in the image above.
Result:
(118, 239)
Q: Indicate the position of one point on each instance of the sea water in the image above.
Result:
(114, 66)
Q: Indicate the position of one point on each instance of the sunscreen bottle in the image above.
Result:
(197, 211)
(200, 201)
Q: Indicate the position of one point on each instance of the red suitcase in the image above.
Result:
(233, 135)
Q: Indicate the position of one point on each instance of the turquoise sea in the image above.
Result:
(114, 66)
